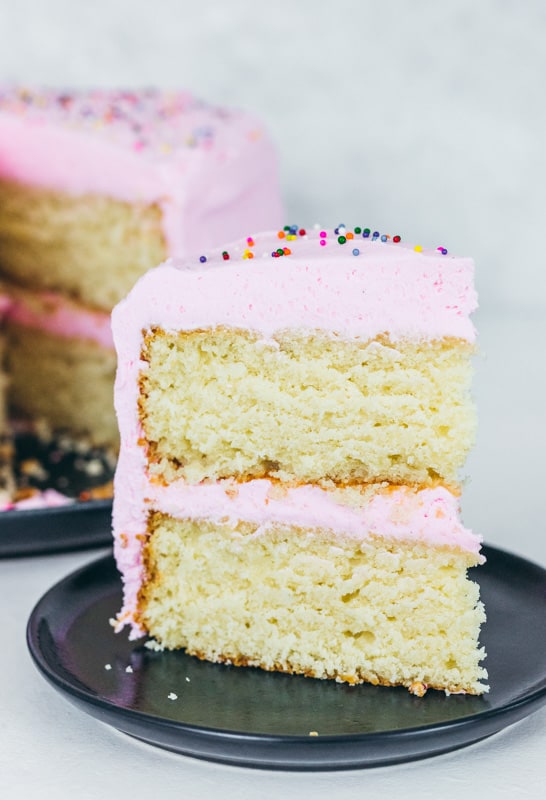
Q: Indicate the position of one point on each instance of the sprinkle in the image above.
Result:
(341, 239)
(365, 233)
(358, 230)
(250, 241)
(442, 250)
(287, 251)
(356, 251)
(172, 696)
(384, 238)
(323, 242)
(396, 239)
(350, 235)
(280, 251)
(302, 232)
(291, 237)
(225, 255)
(202, 259)
(375, 235)
(282, 234)
(323, 234)
(418, 248)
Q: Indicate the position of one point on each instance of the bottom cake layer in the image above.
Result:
(312, 602)
(64, 380)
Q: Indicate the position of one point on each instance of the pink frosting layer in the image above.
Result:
(386, 287)
(211, 170)
(52, 313)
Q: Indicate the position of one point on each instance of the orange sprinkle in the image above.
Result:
(281, 234)
(349, 235)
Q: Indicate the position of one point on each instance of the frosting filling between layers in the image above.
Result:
(52, 313)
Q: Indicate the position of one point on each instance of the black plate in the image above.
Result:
(41, 531)
(249, 717)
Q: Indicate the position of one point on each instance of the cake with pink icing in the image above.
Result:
(96, 187)
(7, 483)
(295, 414)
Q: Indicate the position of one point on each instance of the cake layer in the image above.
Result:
(308, 601)
(91, 247)
(211, 171)
(66, 381)
(304, 407)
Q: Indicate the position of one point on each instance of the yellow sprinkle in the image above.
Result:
(418, 248)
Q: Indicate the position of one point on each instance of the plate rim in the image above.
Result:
(16, 543)
(516, 708)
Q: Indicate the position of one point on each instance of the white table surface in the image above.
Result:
(48, 748)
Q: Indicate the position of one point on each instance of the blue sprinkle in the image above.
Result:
(356, 251)
(444, 251)
(375, 234)
(365, 234)
(336, 231)
(383, 238)
(202, 259)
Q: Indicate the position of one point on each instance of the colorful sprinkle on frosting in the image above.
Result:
(282, 242)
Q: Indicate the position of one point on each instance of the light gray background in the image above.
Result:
(425, 118)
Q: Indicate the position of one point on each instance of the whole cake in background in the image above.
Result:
(96, 187)
(295, 411)
(7, 483)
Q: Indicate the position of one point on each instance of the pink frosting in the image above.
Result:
(55, 314)
(211, 170)
(386, 287)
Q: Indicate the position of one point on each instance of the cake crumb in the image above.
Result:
(187, 679)
(172, 696)
(107, 666)
(129, 668)
(313, 733)
(151, 644)
(418, 689)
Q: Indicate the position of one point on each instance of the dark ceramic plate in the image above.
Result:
(248, 717)
(78, 526)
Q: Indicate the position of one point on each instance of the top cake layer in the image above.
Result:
(133, 146)
(350, 282)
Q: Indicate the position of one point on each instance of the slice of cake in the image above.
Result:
(294, 414)
(96, 187)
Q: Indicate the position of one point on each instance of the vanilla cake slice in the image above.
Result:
(294, 412)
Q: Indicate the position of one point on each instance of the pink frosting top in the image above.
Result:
(355, 287)
(211, 170)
